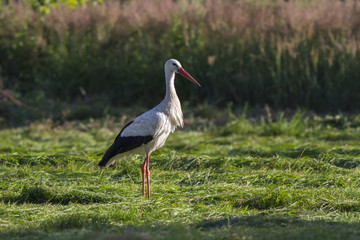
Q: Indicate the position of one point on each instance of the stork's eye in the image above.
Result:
(175, 65)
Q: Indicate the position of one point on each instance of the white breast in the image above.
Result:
(173, 110)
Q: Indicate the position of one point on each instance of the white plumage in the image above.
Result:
(149, 131)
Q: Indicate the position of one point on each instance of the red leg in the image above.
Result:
(148, 176)
(143, 170)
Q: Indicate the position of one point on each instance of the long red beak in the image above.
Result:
(185, 74)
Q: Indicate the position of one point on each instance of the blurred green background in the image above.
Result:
(71, 59)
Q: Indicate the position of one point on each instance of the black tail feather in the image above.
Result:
(123, 144)
(111, 152)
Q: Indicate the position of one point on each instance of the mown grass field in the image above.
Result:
(292, 178)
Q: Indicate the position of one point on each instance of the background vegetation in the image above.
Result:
(64, 62)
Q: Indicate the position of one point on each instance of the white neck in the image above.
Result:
(170, 86)
(171, 103)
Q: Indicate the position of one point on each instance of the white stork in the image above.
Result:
(149, 131)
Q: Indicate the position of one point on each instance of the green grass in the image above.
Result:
(292, 178)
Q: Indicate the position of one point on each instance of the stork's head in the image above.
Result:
(174, 65)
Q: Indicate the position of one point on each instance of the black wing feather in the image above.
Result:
(124, 144)
(123, 130)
